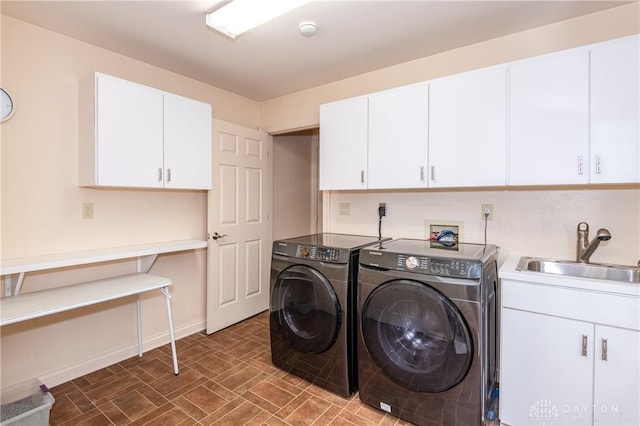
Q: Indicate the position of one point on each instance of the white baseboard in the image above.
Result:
(90, 365)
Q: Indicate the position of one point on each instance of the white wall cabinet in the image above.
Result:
(567, 360)
(376, 141)
(187, 143)
(137, 136)
(343, 144)
(565, 118)
(468, 129)
(549, 119)
(615, 115)
(398, 137)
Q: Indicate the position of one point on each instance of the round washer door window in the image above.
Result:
(305, 309)
(416, 336)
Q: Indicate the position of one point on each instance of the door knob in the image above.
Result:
(216, 236)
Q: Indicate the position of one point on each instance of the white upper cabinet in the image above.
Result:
(566, 118)
(125, 135)
(137, 136)
(398, 137)
(187, 143)
(467, 129)
(614, 111)
(549, 119)
(343, 144)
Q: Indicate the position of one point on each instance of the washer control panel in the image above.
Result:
(457, 268)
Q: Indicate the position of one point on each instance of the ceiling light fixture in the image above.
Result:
(237, 16)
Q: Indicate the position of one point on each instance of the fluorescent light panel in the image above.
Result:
(239, 16)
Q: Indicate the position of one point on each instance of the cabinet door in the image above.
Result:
(128, 133)
(187, 143)
(545, 378)
(468, 129)
(549, 119)
(398, 137)
(343, 144)
(615, 88)
(617, 376)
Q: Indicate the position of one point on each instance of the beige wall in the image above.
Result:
(533, 222)
(292, 184)
(41, 207)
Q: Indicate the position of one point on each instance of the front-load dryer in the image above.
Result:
(312, 308)
(427, 332)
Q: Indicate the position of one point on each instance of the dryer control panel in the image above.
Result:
(311, 252)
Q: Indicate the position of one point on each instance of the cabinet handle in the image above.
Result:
(159, 174)
(422, 173)
(168, 175)
(598, 170)
(604, 349)
(361, 176)
(580, 165)
(584, 345)
(433, 172)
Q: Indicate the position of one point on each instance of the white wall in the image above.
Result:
(540, 222)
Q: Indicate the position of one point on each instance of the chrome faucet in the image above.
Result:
(585, 248)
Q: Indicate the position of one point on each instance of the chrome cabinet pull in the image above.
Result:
(580, 165)
(584, 345)
(361, 176)
(598, 169)
(168, 175)
(159, 174)
(422, 173)
(604, 350)
(433, 172)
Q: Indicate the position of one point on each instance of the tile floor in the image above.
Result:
(225, 379)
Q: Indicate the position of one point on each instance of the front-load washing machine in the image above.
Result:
(312, 308)
(427, 334)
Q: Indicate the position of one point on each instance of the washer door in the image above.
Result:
(416, 336)
(305, 309)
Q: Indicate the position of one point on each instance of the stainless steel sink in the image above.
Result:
(622, 273)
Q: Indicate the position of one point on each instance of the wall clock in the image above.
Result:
(7, 108)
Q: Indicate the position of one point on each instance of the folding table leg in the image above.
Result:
(138, 307)
(165, 290)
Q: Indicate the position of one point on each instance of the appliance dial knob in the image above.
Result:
(411, 262)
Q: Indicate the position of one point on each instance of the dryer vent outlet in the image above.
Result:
(444, 236)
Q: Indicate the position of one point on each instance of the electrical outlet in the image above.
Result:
(87, 210)
(486, 209)
(382, 209)
(345, 209)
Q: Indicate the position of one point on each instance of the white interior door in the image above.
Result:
(239, 225)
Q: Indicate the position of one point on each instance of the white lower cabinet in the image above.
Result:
(543, 369)
(616, 397)
(565, 371)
